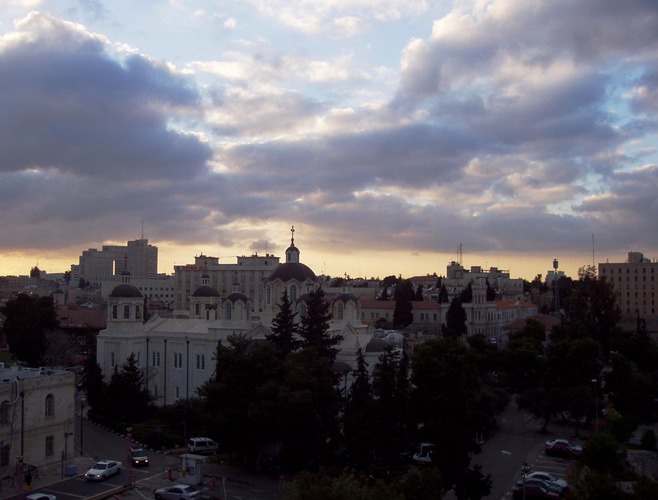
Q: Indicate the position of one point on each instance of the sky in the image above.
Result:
(395, 135)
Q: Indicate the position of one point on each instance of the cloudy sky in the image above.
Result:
(390, 133)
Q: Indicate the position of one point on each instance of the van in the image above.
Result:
(202, 445)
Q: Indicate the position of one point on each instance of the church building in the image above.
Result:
(176, 354)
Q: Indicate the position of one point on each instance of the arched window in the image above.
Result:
(115, 313)
(4, 413)
(50, 405)
(302, 310)
(339, 310)
(228, 310)
(196, 309)
(293, 292)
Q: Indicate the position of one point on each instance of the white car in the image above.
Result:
(424, 455)
(177, 491)
(102, 470)
(548, 477)
(40, 496)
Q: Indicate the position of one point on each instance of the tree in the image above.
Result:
(419, 293)
(357, 420)
(67, 277)
(284, 328)
(35, 272)
(127, 399)
(455, 325)
(443, 295)
(466, 295)
(404, 294)
(473, 485)
(93, 385)
(314, 327)
(445, 402)
(28, 321)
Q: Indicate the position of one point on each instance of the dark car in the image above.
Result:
(562, 448)
(532, 490)
(139, 457)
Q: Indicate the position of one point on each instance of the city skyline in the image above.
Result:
(389, 133)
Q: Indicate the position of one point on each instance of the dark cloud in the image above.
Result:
(69, 105)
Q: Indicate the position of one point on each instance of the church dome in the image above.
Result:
(235, 296)
(292, 270)
(205, 291)
(125, 290)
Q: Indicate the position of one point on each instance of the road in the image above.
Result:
(519, 440)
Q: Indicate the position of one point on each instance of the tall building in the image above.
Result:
(634, 283)
(137, 257)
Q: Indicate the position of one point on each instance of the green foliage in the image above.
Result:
(466, 295)
(630, 391)
(127, 401)
(455, 325)
(314, 327)
(473, 485)
(443, 295)
(358, 431)
(593, 484)
(417, 484)
(35, 272)
(446, 403)
(648, 440)
(93, 385)
(404, 294)
(419, 293)
(28, 321)
(491, 293)
(523, 364)
(284, 328)
(604, 454)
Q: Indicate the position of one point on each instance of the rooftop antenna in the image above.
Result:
(460, 254)
(593, 259)
(142, 228)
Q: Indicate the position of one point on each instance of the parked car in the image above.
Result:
(102, 470)
(534, 491)
(552, 487)
(40, 496)
(202, 445)
(177, 491)
(562, 448)
(548, 477)
(139, 457)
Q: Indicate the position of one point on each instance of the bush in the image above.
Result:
(648, 441)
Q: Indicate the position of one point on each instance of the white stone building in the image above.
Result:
(37, 417)
(176, 354)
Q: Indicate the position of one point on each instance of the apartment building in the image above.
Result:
(137, 257)
(634, 283)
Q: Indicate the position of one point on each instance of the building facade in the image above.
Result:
(137, 257)
(37, 417)
(634, 283)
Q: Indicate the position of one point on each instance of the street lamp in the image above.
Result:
(82, 411)
(596, 405)
(524, 470)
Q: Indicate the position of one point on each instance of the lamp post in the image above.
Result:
(524, 470)
(82, 423)
(596, 405)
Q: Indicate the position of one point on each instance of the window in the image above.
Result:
(4, 413)
(177, 392)
(138, 312)
(50, 405)
(293, 292)
(50, 446)
(126, 312)
(228, 311)
(339, 311)
(156, 358)
(112, 360)
(178, 360)
(200, 362)
(115, 312)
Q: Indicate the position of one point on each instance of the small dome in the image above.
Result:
(346, 297)
(377, 345)
(205, 291)
(125, 290)
(235, 296)
(292, 270)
